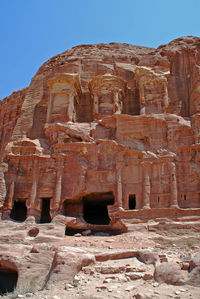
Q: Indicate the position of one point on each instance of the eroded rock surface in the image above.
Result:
(104, 141)
(105, 133)
(47, 264)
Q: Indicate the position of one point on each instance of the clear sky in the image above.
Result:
(32, 31)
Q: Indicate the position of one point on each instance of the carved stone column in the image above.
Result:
(173, 185)
(71, 109)
(142, 100)
(166, 96)
(9, 202)
(146, 186)
(55, 203)
(118, 194)
(117, 104)
(32, 208)
(11, 195)
(49, 108)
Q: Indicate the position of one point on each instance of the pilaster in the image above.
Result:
(118, 195)
(32, 202)
(173, 185)
(146, 185)
(49, 110)
(55, 203)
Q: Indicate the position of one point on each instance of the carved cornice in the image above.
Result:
(107, 81)
(66, 78)
(146, 72)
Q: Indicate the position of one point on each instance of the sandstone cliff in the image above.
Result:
(105, 132)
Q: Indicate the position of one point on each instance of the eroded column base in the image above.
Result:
(5, 214)
(35, 213)
(146, 207)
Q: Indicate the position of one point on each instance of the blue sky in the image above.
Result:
(32, 31)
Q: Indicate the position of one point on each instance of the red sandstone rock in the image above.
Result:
(104, 133)
(69, 261)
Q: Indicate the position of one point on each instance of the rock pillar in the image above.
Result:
(146, 186)
(166, 97)
(71, 115)
(11, 195)
(142, 101)
(9, 202)
(57, 194)
(117, 104)
(173, 185)
(118, 193)
(32, 205)
(49, 108)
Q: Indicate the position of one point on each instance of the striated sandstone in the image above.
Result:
(105, 133)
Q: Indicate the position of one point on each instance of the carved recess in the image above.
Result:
(64, 91)
(153, 90)
(136, 166)
(107, 92)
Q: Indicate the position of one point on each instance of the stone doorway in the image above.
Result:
(19, 211)
(45, 210)
(132, 202)
(8, 278)
(95, 207)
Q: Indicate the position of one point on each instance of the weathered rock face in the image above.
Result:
(103, 133)
(169, 273)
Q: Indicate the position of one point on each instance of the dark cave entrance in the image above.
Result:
(45, 211)
(95, 207)
(19, 211)
(8, 279)
(132, 202)
(71, 231)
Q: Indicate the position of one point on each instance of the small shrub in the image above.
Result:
(189, 243)
(28, 287)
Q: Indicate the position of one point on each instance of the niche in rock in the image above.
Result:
(8, 277)
(19, 211)
(95, 207)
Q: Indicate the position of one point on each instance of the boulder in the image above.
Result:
(194, 262)
(194, 276)
(169, 273)
(148, 257)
